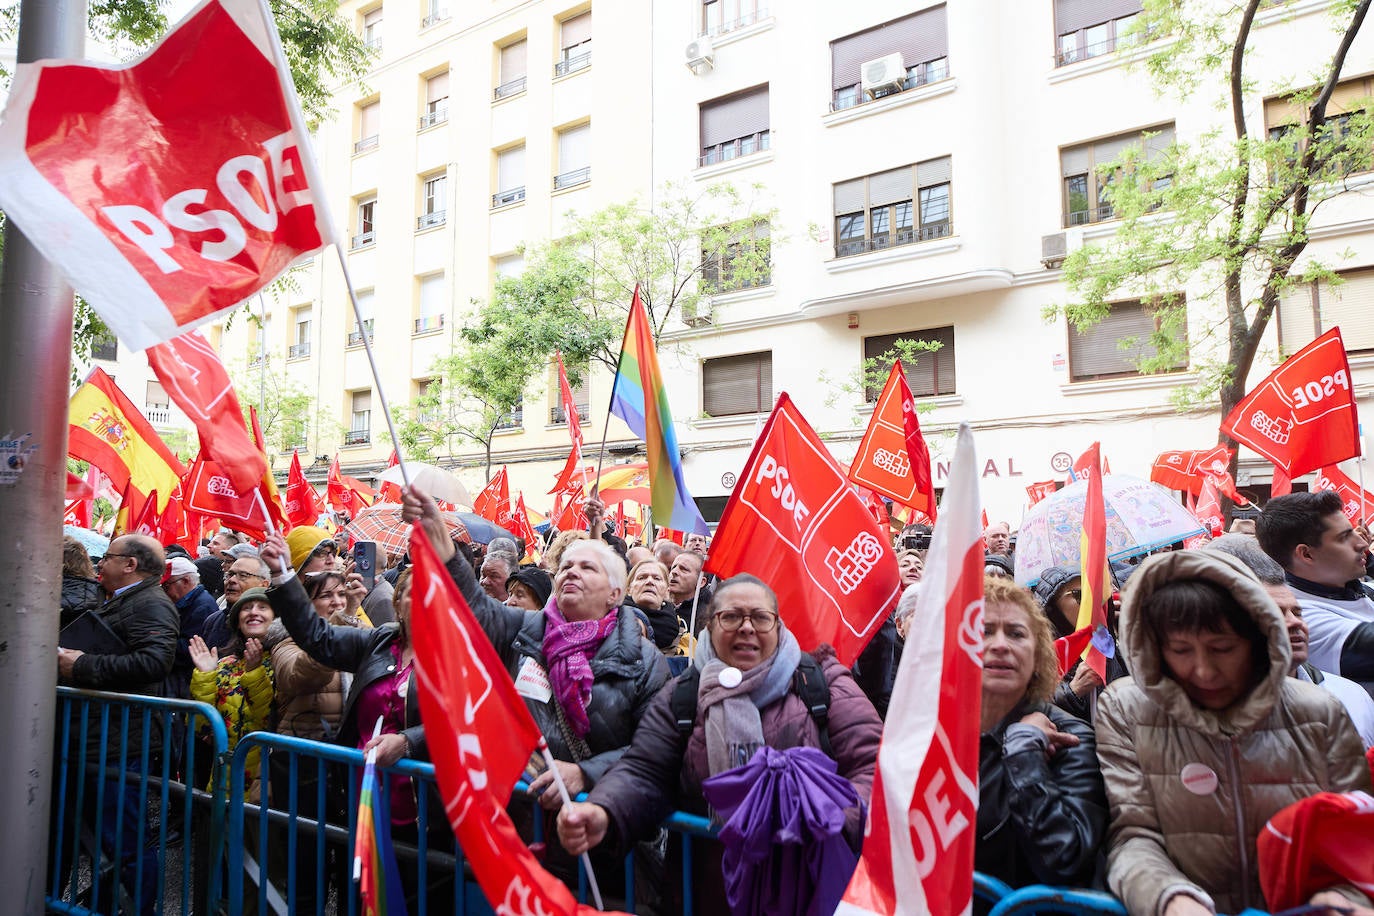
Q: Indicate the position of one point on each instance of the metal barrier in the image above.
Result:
(121, 838)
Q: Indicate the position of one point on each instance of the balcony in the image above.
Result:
(158, 414)
(506, 198)
(1090, 215)
(355, 339)
(255, 361)
(572, 64)
(735, 149)
(373, 44)
(743, 22)
(430, 118)
(573, 178)
(357, 437)
(558, 416)
(513, 420)
(365, 240)
(920, 75)
(430, 220)
(298, 351)
(367, 144)
(845, 248)
(509, 88)
(427, 323)
(434, 18)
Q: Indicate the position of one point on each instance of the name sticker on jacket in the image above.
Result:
(1199, 779)
(532, 682)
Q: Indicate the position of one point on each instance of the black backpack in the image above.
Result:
(808, 682)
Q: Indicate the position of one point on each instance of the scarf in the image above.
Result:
(568, 649)
(734, 729)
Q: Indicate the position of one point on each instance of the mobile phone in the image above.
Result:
(365, 562)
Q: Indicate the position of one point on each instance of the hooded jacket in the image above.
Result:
(1282, 742)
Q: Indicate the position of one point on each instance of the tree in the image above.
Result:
(474, 394)
(1226, 217)
(285, 408)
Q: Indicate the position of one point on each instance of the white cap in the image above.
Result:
(180, 566)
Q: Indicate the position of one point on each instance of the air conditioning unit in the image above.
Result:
(700, 55)
(884, 75)
(1056, 247)
(696, 319)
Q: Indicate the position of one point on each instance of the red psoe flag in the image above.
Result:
(391, 492)
(918, 846)
(892, 458)
(520, 527)
(571, 467)
(796, 523)
(1208, 508)
(493, 503)
(303, 504)
(347, 494)
(1038, 491)
(170, 190)
(1355, 502)
(1303, 416)
(209, 491)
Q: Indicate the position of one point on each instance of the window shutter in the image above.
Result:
(575, 148)
(365, 301)
(513, 61)
(933, 374)
(157, 395)
(510, 169)
(1350, 305)
(577, 30)
(370, 120)
(432, 296)
(919, 37)
(1095, 353)
(362, 401)
(933, 172)
(304, 314)
(731, 118)
(1075, 161)
(741, 384)
(1297, 318)
(1072, 15)
(849, 196)
(436, 89)
(1349, 95)
(372, 17)
(510, 266)
(1105, 151)
(1163, 139)
(890, 187)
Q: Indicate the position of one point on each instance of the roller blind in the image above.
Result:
(1072, 15)
(436, 88)
(372, 17)
(919, 37)
(510, 169)
(733, 117)
(576, 30)
(932, 374)
(433, 293)
(575, 148)
(933, 172)
(1078, 160)
(890, 187)
(1350, 305)
(513, 61)
(157, 395)
(365, 301)
(737, 384)
(849, 196)
(370, 120)
(362, 401)
(1095, 352)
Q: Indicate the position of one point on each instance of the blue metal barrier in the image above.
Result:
(121, 761)
(1038, 898)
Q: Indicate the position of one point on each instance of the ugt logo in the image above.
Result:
(852, 565)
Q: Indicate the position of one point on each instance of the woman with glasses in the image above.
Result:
(1059, 591)
(746, 698)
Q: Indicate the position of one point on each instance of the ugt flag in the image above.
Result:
(918, 845)
(1302, 417)
(170, 189)
(795, 521)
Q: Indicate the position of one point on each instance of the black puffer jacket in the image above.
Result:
(79, 595)
(627, 671)
(663, 622)
(1041, 820)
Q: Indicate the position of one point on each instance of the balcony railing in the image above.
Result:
(575, 177)
(920, 75)
(158, 414)
(363, 240)
(357, 437)
(430, 118)
(558, 416)
(355, 339)
(735, 149)
(505, 198)
(846, 247)
(748, 19)
(430, 220)
(373, 44)
(573, 64)
(1090, 215)
(298, 351)
(426, 323)
(513, 420)
(510, 88)
(434, 18)
(367, 143)
(254, 361)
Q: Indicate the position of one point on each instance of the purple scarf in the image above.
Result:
(568, 649)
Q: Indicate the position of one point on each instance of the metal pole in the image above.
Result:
(35, 365)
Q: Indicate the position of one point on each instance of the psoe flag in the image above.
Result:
(171, 189)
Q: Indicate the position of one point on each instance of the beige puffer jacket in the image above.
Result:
(310, 696)
(1285, 741)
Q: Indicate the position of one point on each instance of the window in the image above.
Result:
(1284, 117)
(898, 207)
(740, 263)
(433, 303)
(366, 302)
(1086, 182)
(581, 392)
(428, 402)
(920, 39)
(933, 372)
(1308, 310)
(372, 29)
(510, 177)
(734, 126)
(514, 418)
(511, 80)
(1098, 351)
(157, 397)
(511, 265)
(1091, 28)
(367, 215)
(302, 318)
(360, 419)
(105, 347)
(576, 42)
(369, 127)
(574, 157)
(719, 16)
(436, 100)
(732, 385)
(433, 201)
(436, 11)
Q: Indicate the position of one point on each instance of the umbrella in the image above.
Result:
(785, 850)
(435, 481)
(480, 530)
(1141, 517)
(382, 523)
(95, 544)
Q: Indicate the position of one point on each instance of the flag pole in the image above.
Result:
(567, 800)
(696, 598)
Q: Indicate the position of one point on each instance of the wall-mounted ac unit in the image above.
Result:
(700, 55)
(698, 319)
(886, 74)
(1054, 248)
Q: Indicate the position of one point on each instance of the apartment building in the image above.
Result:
(929, 164)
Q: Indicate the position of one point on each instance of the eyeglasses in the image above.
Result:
(125, 556)
(239, 574)
(761, 621)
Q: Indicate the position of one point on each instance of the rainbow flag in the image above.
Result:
(374, 859)
(1096, 577)
(641, 401)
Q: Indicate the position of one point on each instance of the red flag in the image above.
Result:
(142, 517)
(571, 517)
(209, 491)
(172, 189)
(1088, 463)
(270, 494)
(876, 507)
(78, 512)
(1355, 502)
(1281, 485)
(194, 378)
(892, 458)
(1095, 575)
(796, 523)
(918, 846)
(571, 467)
(1038, 491)
(1186, 470)
(347, 494)
(1303, 416)
(1068, 649)
(391, 492)
(480, 735)
(1208, 510)
(303, 504)
(520, 527)
(1314, 844)
(493, 503)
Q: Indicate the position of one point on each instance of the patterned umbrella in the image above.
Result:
(382, 523)
(95, 544)
(1141, 517)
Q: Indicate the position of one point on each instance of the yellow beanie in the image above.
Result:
(303, 541)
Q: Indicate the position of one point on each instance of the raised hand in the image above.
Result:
(203, 657)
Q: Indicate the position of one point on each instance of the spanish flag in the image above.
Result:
(108, 431)
(1095, 574)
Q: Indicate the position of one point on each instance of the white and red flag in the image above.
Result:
(1039, 490)
(1355, 501)
(493, 502)
(303, 503)
(209, 490)
(171, 189)
(795, 521)
(918, 847)
(892, 458)
(572, 468)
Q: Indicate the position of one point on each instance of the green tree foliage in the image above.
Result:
(287, 412)
(1226, 217)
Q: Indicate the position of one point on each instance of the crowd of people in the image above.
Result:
(1241, 681)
